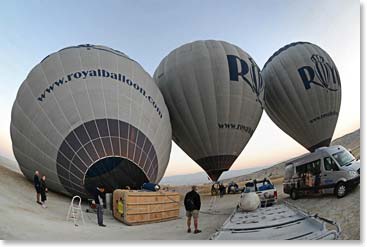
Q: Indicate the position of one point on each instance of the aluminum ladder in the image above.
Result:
(75, 210)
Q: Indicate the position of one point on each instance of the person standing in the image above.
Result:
(192, 205)
(37, 186)
(98, 199)
(43, 190)
(317, 180)
(222, 190)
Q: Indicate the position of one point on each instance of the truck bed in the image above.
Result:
(278, 222)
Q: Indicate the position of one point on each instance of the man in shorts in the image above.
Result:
(192, 205)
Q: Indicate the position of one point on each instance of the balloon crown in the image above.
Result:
(317, 58)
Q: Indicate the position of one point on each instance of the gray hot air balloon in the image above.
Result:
(89, 115)
(214, 93)
(303, 93)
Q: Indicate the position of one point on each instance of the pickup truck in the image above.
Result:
(233, 188)
(265, 189)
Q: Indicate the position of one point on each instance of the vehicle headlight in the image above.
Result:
(353, 173)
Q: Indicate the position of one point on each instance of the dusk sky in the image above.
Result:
(148, 30)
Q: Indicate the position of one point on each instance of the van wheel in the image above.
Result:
(340, 190)
(294, 194)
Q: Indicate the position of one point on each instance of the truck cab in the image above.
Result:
(265, 189)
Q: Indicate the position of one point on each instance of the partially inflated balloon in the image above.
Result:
(214, 93)
(90, 116)
(303, 93)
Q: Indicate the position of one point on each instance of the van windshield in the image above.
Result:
(343, 157)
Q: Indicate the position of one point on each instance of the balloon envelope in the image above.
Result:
(214, 94)
(303, 93)
(90, 116)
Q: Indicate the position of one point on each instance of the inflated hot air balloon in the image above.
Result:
(214, 93)
(90, 116)
(303, 93)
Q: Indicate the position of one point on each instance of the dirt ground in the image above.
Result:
(22, 218)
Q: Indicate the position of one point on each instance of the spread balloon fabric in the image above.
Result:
(214, 93)
(303, 93)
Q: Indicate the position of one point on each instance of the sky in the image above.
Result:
(148, 30)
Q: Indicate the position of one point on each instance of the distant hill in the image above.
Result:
(350, 141)
(202, 177)
(10, 164)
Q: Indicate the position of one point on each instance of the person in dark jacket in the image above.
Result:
(192, 205)
(222, 190)
(37, 186)
(99, 196)
(43, 190)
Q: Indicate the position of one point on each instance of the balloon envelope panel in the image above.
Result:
(214, 93)
(303, 93)
(89, 115)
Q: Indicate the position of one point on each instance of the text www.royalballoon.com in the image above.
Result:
(329, 114)
(240, 127)
(84, 74)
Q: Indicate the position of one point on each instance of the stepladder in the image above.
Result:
(75, 211)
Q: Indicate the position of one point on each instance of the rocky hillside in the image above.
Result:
(349, 141)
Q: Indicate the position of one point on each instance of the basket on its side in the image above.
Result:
(134, 207)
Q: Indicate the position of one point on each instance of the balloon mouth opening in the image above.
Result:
(216, 165)
(114, 173)
(214, 175)
(324, 143)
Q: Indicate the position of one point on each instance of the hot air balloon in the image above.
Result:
(303, 93)
(214, 93)
(89, 115)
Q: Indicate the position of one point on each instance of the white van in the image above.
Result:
(326, 170)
